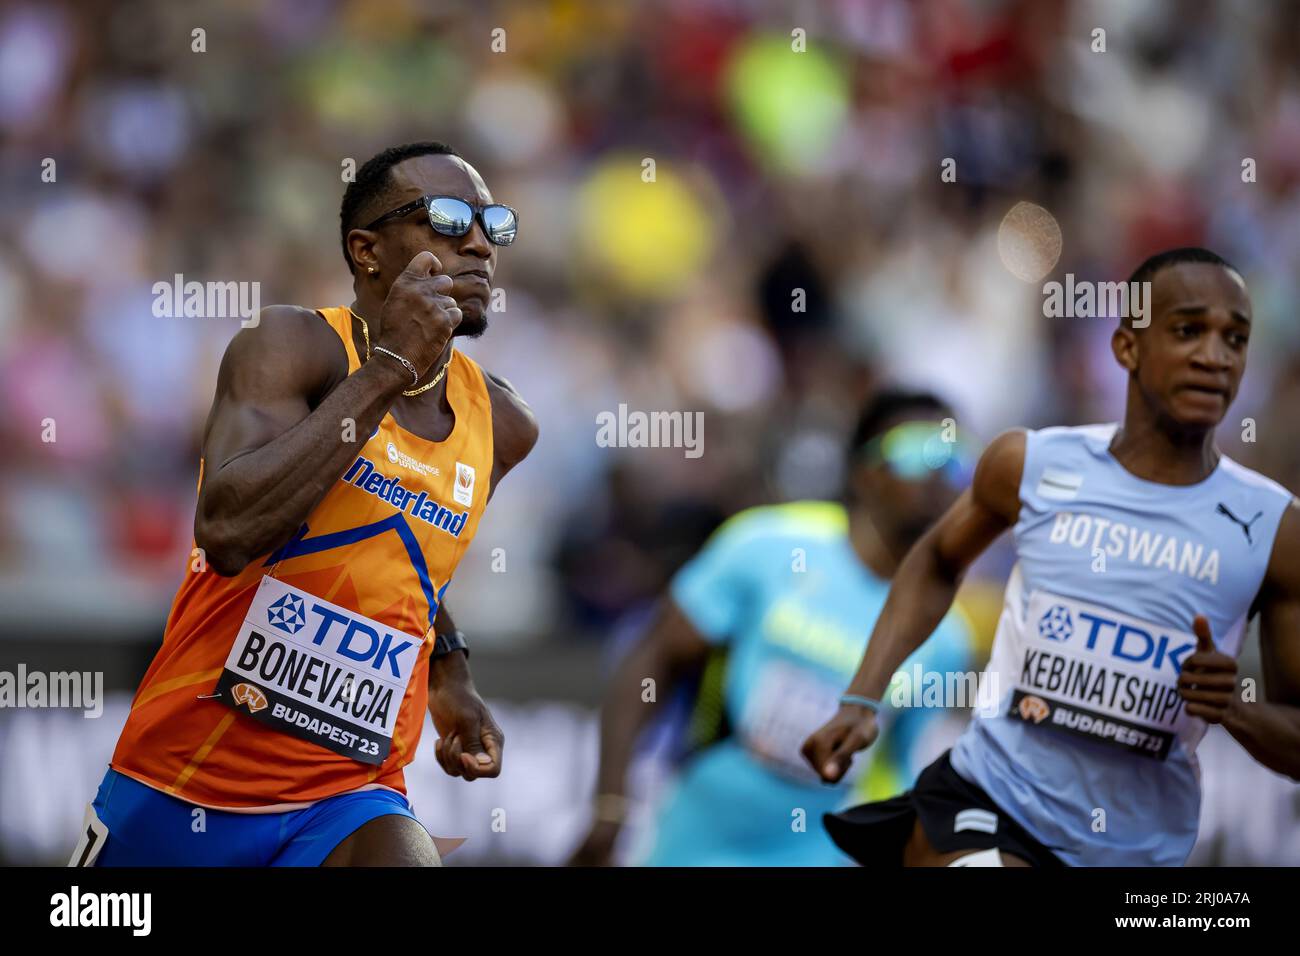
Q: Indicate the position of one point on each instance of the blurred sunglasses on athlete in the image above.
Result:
(914, 451)
(454, 217)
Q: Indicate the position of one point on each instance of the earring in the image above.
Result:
(373, 270)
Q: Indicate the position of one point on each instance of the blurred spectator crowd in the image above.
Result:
(792, 245)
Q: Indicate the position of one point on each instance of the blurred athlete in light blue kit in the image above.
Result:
(772, 608)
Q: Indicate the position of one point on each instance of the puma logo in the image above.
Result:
(1245, 525)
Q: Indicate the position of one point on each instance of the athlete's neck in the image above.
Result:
(1155, 452)
(870, 544)
(371, 310)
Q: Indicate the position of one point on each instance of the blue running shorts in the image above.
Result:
(132, 824)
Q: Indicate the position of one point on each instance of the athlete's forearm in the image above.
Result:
(450, 668)
(922, 591)
(1269, 732)
(625, 711)
(258, 500)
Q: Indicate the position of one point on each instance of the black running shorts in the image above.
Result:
(954, 813)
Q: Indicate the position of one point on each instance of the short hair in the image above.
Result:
(372, 183)
(885, 407)
(1176, 257)
(1152, 265)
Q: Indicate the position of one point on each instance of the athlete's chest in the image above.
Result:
(1196, 545)
(431, 484)
(425, 421)
(464, 411)
(806, 634)
(817, 617)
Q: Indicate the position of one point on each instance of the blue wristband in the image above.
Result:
(867, 702)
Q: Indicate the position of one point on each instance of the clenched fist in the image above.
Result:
(1208, 680)
(419, 318)
(831, 747)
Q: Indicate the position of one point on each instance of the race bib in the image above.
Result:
(785, 707)
(1103, 675)
(318, 671)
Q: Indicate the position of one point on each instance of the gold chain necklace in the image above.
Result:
(365, 334)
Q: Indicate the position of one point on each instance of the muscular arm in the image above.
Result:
(671, 649)
(514, 428)
(928, 577)
(274, 443)
(1270, 729)
(922, 591)
(449, 668)
(470, 742)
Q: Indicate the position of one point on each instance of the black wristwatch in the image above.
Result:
(444, 644)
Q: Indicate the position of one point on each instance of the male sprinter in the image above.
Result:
(347, 459)
(1142, 552)
(782, 590)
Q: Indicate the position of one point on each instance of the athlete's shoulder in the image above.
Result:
(1278, 509)
(996, 484)
(289, 344)
(1007, 448)
(280, 322)
(805, 520)
(1252, 479)
(514, 426)
(1095, 438)
(1061, 454)
(1284, 560)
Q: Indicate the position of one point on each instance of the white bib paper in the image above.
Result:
(318, 671)
(1104, 675)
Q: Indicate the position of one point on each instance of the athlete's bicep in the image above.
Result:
(1280, 650)
(678, 640)
(514, 428)
(714, 590)
(243, 423)
(987, 508)
(1279, 625)
(269, 378)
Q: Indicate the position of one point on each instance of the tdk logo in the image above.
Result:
(287, 614)
(1056, 624)
(378, 651)
(1116, 639)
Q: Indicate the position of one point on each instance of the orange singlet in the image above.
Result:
(306, 675)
